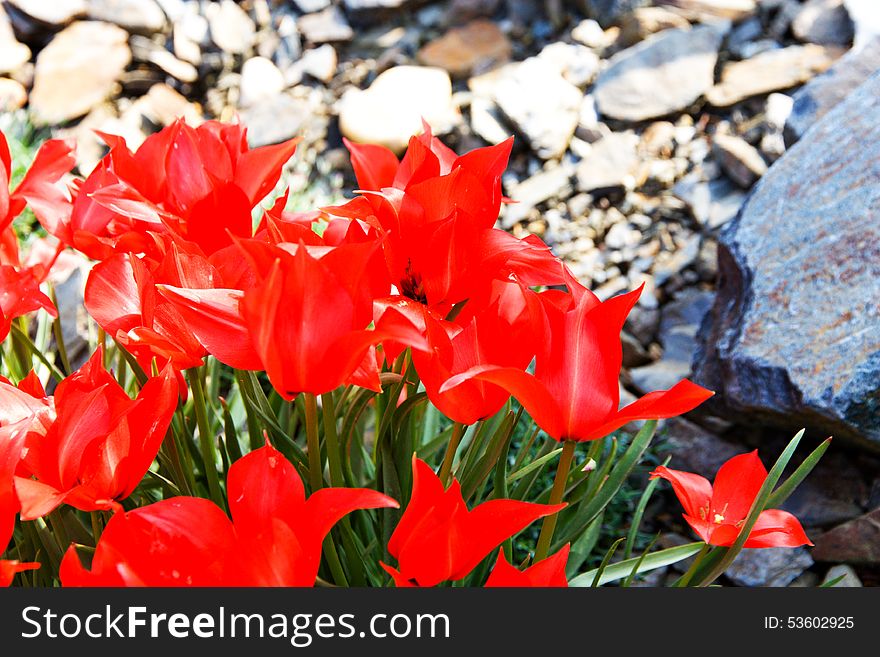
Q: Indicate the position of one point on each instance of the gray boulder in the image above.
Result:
(793, 339)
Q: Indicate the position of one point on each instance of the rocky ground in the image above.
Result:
(724, 153)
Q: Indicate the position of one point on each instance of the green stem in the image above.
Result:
(458, 430)
(556, 495)
(59, 333)
(206, 442)
(331, 440)
(698, 560)
(24, 345)
(316, 465)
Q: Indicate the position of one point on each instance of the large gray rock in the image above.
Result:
(794, 336)
(663, 74)
(820, 95)
(768, 566)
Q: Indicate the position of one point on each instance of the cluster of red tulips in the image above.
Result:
(372, 393)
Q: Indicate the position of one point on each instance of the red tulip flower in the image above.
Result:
(716, 512)
(438, 539)
(574, 393)
(545, 573)
(20, 294)
(100, 444)
(274, 538)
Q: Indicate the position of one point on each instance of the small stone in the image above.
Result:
(486, 120)
(645, 21)
(577, 64)
(610, 12)
(610, 166)
(325, 26)
(275, 120)
(770, 71)
(232, 30)
(144, 49)
(13, 55)
(462, 11)
(777, 110)
(712, 203)
(13, 96)
(825, 22)
(739, 159)
(857, 541)
(554, 182)
(703, 10)
(320, 62)
(479, 45)
(311, 6)
(77, 70)
(162, 105)
(140, 16)
(260, 80)
(51, 12)
(663, 74)
(768, 566)
(589, 33)
(540, 103)
(391, 109)
(843, 576)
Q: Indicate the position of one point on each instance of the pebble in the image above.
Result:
(51, 12)
(140, 16)
(825, 22)
(329, 25)
(231, 29)
(477, 46)
(610, 166)
(740, 160)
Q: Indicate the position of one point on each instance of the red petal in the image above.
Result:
(547, 572)
(374, 166)
(736, 486)
(776, 528)
(693, 491)
(8, 569)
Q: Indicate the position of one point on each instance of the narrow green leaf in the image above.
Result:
(605, 561)
(787, 488)
(652, 561)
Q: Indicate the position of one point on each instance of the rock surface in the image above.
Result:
(768, 566)
(795, 333)
(143, 16)
(78, 70)
(463, 50)
(857, 541)
(823, 21)
(663, 74)
(822, 93)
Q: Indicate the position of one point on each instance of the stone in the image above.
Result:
(52, 12)
(589, 33)
(740, 160)
(610, 165)
(147, 50)
(373, 11)
(462, 11)
(325, 26)
(713, 203)
(645, 21)
(866, 21)
(822, 93)
(794, 338)
(843, 576)
(77, 70)
(13, 95)
(553, 182)
(140, 16)
(680, 321)
(391, 109)
(768, 566)
(231, 29)
(310, 6)
(277, 119)
(835, 492)
(825, 22)
(663, 74)
(486, 120)
(610, 12)
(320, 62)
(542, 105)
(13, 55)
(700, 10)
(478, 45)
(162, 105)
(576, 63)
(856, 541)
(770, 71)
(260, 80)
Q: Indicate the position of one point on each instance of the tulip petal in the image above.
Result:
(374, 166)
(737, 484)
(693, 491)
(544, 573)
(776, 528)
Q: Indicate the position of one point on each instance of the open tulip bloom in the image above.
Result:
(390, 391)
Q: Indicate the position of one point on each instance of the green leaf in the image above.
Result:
(638, 513)
(537, 463)
(787, 488)
(606, 559)
(652, 561)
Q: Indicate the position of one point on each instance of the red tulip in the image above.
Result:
(100, 444)
(574, 393)
(547, 572)
(200, 184)
(717, 512)
(274, 538)
(438, 539)
(8, 569)
(20, 294)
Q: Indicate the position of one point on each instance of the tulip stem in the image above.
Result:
(454, 441)
(58, 332)
(556, 495)
(206, 442)
(331, 439)
(316, 465)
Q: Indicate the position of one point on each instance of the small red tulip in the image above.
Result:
(545, 573)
